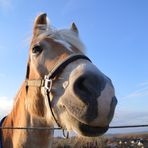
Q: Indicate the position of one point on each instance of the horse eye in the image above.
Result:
(37, 49)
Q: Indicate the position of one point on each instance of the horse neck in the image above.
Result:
(22, 116)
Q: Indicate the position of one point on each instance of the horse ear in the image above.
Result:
(74, 28)
(41, 21)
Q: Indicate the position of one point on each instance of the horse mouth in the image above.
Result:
(86, 129)
(90, 131)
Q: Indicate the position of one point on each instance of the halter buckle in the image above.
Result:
(48, 83)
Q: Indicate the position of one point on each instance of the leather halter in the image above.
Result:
(1, 122)
(47, 81)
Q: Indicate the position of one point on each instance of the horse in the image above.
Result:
(62, 87)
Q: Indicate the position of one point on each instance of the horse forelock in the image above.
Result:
(66, 37)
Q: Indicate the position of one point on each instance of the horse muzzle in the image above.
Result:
(89, 98)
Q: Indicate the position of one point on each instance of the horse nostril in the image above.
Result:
(114, 101)
(112, 107)
(89, 86)
(82, 84)
(82, 87)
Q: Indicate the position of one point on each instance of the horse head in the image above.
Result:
(82, 98)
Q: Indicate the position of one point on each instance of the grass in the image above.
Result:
(79, 142)
(114, 141)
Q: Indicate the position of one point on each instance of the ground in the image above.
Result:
(109, 141)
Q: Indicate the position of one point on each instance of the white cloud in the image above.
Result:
(131, 110)
(5, 5)
(124, 117)
(137, 94)
(142, 91)
(5, 106)
(144, 83)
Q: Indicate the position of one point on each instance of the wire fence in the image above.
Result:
(58, 128)
(128, 126)
(30, 128)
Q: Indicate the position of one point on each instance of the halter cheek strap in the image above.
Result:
(47, 81)
(1, 122)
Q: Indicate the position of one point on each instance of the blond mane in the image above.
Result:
(64, 36)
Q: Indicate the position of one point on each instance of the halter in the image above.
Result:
(46, 83)
(1, 122)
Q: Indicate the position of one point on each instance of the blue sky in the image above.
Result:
(115, 33)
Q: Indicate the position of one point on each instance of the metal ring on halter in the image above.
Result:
(65, 135)
(48, 83)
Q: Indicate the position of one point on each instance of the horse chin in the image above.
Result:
(87, 130)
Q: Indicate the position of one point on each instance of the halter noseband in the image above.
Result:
(47, 81)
